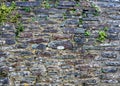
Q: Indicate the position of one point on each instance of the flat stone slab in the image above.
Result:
(67, 3)
(54, 50)
(109, 4)
(116, 17)
(109, 0)
(26, 4)
(55, 44)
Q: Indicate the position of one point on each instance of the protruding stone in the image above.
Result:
(66, 57)
(109, 70)
(27, 4)
(61, 36)
(79, 41)
(2, 53)
(39, 46)
(55, 44)
(112, 63)
(79, 30)
(26, 35)
(111, 81)
(66, 4)
(25, 53)
(60, 47)
(109, 55)
(10, 41)
(69, 30)
(22, 45)
(7, 35)
(50, 31)
(113, 37)
(38, 40)
(71, 22)
(4, 81)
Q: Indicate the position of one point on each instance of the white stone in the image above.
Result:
(106, 44)
(3, 28)
(119, 25)
(60, 47)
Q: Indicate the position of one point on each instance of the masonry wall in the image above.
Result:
(59, 45)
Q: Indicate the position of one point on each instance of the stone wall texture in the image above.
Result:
(59, 46)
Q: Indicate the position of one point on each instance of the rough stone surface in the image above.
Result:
(59, 45)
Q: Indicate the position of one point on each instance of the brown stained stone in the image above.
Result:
(69, 62)
(83, 67)
(45, 53)
(49, 30)
(89, 56)
(38, 40)
(68, 45)
(61, 36)
(26, 35)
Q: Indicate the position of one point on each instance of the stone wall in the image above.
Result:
(59, 45)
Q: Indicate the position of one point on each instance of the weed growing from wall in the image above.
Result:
(9, 14)
(87, 33)
(97, 10)
(5, 12)
(46, 4)
(102, 35)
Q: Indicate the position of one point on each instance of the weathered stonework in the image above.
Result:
(59, 46)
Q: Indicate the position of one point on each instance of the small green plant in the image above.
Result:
(87, 33)
(105, 28)
(5, 12)
(19, 28)
(96, 13)
(97, 10)
(84, 15)
(27, 9)
(56, 3)
(33, 19)
(102, 36)
(11, 15)
(46, 4)
(15, 18)
(64, 15)
(78, 4)
(73, 11)
(80, 21)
